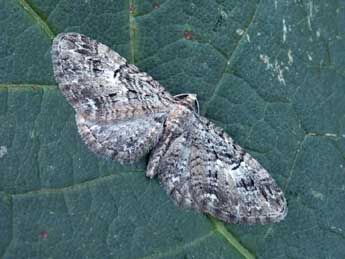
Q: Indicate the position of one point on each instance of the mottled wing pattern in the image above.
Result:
(203, 169)
(120, 110)
(125, 141)
(123, 113)
(100, 84)
(229, 183)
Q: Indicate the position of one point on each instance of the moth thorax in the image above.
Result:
(189, 100)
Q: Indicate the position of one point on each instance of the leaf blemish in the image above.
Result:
(132, 8)
(188, 35)
(310, 14)
(276, 68)
(318, 33)
(3, 151)
(44, 234)
(317, 195)
(290, 58)
(240, 32)
(309, 56)
(284, 30)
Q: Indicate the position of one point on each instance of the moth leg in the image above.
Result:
(155, 159)
(173, 129)
(173, 170)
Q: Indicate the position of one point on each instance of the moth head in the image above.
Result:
(189, 100)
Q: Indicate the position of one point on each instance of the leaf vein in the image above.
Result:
(39, 20)
(26, 87)
(178, 249)
(132, 30)
(220, 228)
(77, 185)
(229, 61)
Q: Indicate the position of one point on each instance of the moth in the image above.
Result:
(124, 114)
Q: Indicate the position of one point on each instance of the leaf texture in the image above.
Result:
(271, 73)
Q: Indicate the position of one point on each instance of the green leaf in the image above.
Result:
(271, 73)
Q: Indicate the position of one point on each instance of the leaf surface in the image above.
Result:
(271, 73)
